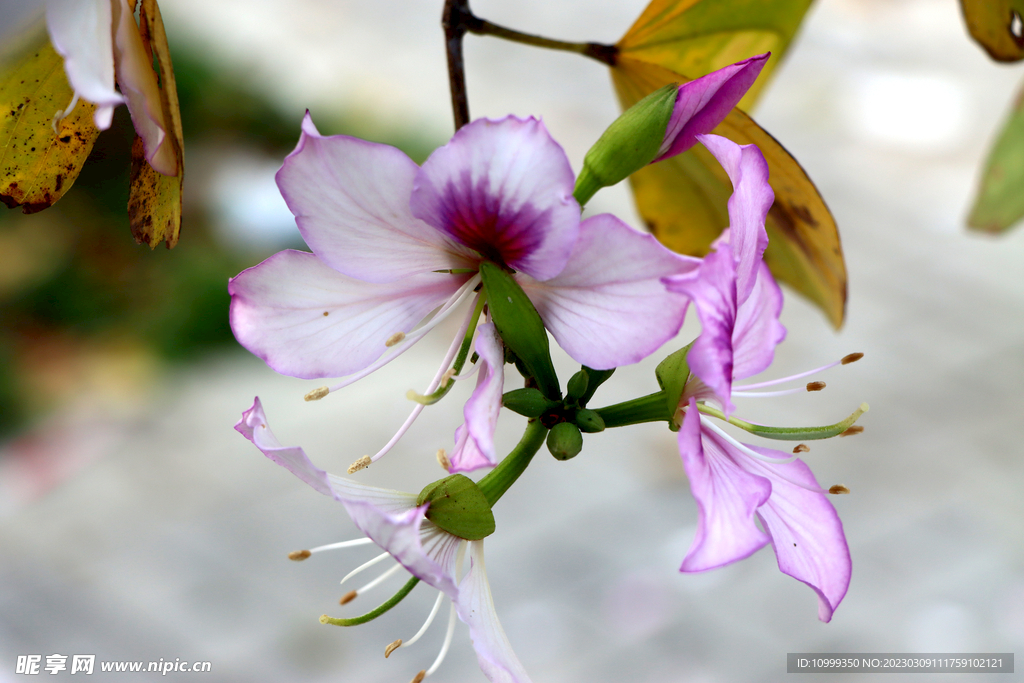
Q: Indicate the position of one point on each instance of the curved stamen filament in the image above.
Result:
(447, 379)
(452, 350)
(791, 378)
(365, 566)
(769, 394)
(428, 622)
(447, 641)
(745, 449)
(380, 579)
(414, 336)
(374, 613)
(343, 544)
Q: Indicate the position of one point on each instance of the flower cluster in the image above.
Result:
(492, 220)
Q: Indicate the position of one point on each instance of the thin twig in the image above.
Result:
(455, 21)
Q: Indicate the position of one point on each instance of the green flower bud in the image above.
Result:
(595, 378)
(589, 421)
(565, 441)
(527, 402)
(672, 374)
(577, 387)
(458, 506)
(520, 327)
(629, 144)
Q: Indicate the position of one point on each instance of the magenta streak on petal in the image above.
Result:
(704, 103)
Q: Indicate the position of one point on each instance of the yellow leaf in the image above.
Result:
(683, 199)
(998, 25)
(154, 201)
(37, 163)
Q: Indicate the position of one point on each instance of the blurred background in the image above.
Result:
(135, 524)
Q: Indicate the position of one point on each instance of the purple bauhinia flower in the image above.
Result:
(99, 40)
(735, 484)
(393, 242)
(393, 521)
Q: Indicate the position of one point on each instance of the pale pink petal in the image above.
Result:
(757, 331)
(806, 531)
(704, 103)
(474, 440)
(351, 203)
(80, 31)
(727, 497)
(390, 518)
(608, 307)
(475, 607)
(751, 199)
(713, 290)
(307, 320)
(504, 189)
(138, 84)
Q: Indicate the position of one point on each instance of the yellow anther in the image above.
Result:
(317, 394)
(360, 464)
(394, 339)
(299, 555)
(855, 429)
(801, 448)
(815, 386)
(392, 647)
(837, 489)
(347, 598)
(442, 459)
(851, 358)
(419, 677)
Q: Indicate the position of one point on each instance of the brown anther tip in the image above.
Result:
(442, 459)
(855, 429)
(392, 647)
(299, 555)
(347, 598)
(851, 358)
(317, 394)
(394, 339)
(837, 489)
(801, 448)
(419, 677)
(815, 386)
(360, 464)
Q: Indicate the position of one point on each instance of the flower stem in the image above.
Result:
(508, 470)
(650, 408)
(373, 614)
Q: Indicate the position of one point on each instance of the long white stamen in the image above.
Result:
(365, 565)
(447, 642)
(414, 336)
(61, 115)
(344, 544)
(773, 382)
(768, 394)
(747, 450)
(434, 384)
(428, 622)
(380, 579)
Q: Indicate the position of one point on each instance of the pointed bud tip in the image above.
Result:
(396, 338)
(299, 555)
(317, 394)
(850, 431)
(347, 598)
(392, 647)
(838, 489)
(801, 448)
(851, 358)
(360, 464)
(815, 386)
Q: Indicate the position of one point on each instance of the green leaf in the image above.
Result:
(37, 163)
(458, 506)
(672, 374)
(997, 25)
(520, 327)
(1000, 200)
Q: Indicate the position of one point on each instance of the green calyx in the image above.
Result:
(528, 402)
(672, 374)
(520, 327)
(565, 441)
(629, 144)
(458, 506)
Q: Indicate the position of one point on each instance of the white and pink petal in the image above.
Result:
(503, 189)
(350, 198)
(307, 320)
(757, 330)
(608, 307)
(474, 440)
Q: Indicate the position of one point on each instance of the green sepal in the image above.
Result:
(589, 421)
(629, 144)
(595, 379)
(565, 441)
(528, 402)
(520, 327)
(576, 387)
(458, 506)
(672, 374)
